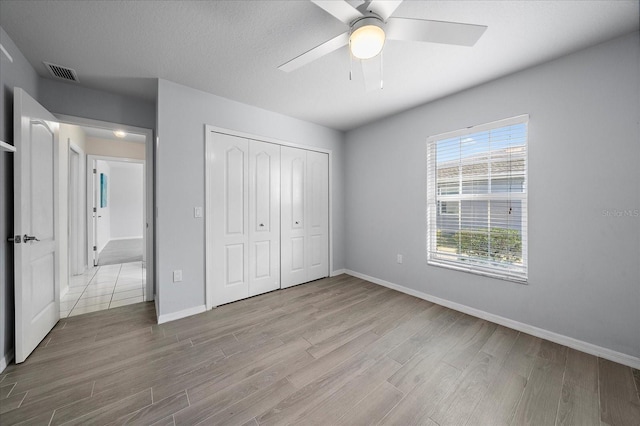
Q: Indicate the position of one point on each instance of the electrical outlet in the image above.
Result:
(177, 275)
(399, 258)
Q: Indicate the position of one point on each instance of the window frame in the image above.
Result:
(512, 272)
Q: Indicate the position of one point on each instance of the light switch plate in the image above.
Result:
(177, 275)
(197, 212)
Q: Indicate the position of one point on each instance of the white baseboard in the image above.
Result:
(6, 360)
(126, 238)
(180, 314)
(338, 272)
(611, 355)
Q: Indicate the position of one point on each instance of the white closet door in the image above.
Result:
(293, 220)
(228, 252)
(264, 217)
(317, 227)
(305, 216)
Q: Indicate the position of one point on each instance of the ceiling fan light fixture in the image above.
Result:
(367, 38)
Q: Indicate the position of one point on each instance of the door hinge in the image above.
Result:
(95, 248)
(95, 171)
(94, 209)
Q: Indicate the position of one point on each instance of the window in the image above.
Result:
(477, 199)
(449, 207)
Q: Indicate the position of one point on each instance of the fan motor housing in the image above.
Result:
(367, 20)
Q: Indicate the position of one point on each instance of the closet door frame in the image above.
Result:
(209, 140)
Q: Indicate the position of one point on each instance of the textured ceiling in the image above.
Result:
(233, 48)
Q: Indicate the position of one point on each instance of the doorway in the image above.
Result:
(124, 276)
(44, 194)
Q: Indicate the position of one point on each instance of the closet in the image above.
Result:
(267, 217)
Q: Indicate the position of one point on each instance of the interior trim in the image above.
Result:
(181, 314)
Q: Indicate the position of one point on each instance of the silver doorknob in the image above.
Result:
(27, 238)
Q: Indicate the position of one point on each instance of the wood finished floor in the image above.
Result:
(339, 351)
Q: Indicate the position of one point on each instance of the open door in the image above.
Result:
(37, 294)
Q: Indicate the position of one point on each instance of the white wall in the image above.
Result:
(104, 213)
(114, 148)
(182, 115)
(126, 200)
(584, 159)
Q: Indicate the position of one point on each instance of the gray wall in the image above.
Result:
(72, 99)
(182, 115)
(584, 157)
(17, 74)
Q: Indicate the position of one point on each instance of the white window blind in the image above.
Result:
(477, 199)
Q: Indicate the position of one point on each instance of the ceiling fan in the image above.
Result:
(371, 24)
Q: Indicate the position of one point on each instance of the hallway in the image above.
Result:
(104, 287)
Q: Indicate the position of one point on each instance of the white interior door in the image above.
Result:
(317, 195)
(264, 217)
(228, 217)
(37, 292)
(293, 216)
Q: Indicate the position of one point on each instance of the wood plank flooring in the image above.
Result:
(338, 351)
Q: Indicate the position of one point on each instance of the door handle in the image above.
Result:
(262, 224)
(27, 238)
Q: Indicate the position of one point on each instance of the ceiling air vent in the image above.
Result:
(62, 73)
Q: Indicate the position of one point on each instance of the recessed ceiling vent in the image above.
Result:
(62, 73)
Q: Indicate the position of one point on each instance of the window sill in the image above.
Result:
(477, 270)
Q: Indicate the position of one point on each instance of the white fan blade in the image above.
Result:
(384, 8)
(340, 9)
(316, 53)
(433, 31)
(372, 73)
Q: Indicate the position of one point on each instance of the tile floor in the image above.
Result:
(104, 287)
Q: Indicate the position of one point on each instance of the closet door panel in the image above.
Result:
(293, 212)
(264, 217)
(235, 261)
(229, 168)
(317, 191)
